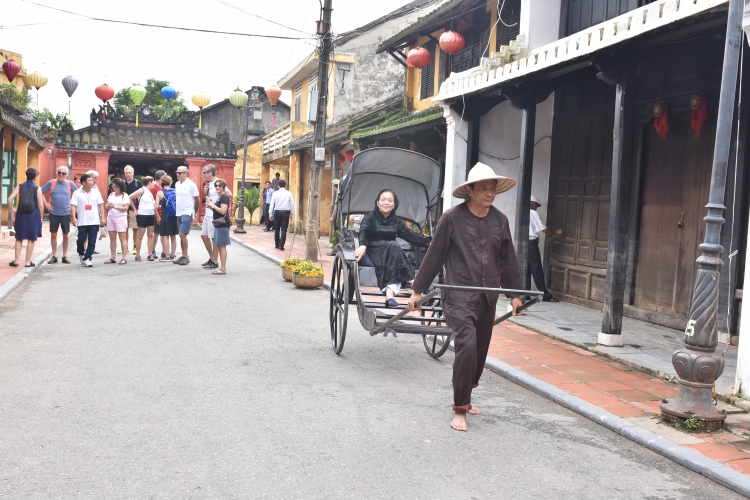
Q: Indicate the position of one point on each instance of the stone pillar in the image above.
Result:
(455, 156)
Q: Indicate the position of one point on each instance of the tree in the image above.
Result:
(19, 99)
(46, 117)
(252, 202)
(124, 104)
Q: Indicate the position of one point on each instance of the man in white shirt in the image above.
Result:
(281, 210)
(87, 214)
(186, 201)
(535, 258)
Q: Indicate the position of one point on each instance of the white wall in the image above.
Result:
(540, 21)
(455, 156)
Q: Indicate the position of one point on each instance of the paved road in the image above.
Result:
(151, 380)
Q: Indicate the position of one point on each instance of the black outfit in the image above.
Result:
(537, 269)
(132, 188)
(476, 251)
(280, 225)
(223, 200)
(378, 234)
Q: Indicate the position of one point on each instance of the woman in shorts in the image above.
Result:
(117, 220)
(168, 224)
(221, 233)
(144, 217)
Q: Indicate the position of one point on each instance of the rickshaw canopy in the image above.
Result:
(413, 177)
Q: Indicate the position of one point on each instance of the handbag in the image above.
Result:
(220, 222)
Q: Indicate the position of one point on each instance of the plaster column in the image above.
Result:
(455, 156)
(101, 165)
(742, 378)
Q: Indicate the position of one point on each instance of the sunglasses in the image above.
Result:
(180, 173)
(62, 173)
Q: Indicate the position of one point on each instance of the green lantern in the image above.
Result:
(137, 94)
(238, 98)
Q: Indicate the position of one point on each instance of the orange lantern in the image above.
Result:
(105, 93)
(349, 155)
(273, 93)
(452, 42)
(418, 57)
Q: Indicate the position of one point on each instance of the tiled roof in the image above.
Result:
(433, 113)
(10, 118)
(148, 138)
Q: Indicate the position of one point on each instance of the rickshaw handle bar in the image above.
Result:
(488, 290)
(524, 306)
(403, 313)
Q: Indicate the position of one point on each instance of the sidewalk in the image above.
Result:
(11, 277)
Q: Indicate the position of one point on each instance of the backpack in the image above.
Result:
(26, 199)
(170, 202)
(52, 188)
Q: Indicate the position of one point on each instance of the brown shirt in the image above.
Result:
(476, 251)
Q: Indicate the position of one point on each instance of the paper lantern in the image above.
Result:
(105, 93)
(168, 93)
(70, 85)
(201, 99)
(418, 57)
(137, 94)
(349, 155)
(238, 99)
(341, 159)
(37, 80)
(11, 69)
(273, 93)
(452, 42)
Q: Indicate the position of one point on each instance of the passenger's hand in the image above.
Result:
(415, 297)
(516, 303)
(360, 251)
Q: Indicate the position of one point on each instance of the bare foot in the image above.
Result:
(459, 421)
(474, 410)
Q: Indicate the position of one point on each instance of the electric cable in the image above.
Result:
(227, 4)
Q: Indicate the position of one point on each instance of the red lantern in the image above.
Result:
(452, 42)
(11, 69)
(418, 57)
(341, 159)
(273, 93)
(349, 155)
(105, 93)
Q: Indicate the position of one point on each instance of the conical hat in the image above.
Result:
(481, 172)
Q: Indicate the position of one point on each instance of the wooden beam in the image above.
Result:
(619, 212)
(523, 190)
(472, 141)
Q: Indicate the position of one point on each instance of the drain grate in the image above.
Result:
(565, 328)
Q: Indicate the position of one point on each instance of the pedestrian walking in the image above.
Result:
(187, 202)
(221, 222)
(474, 243)
(267, 194)
(118, 204)
(87, 213)
(536, 268)
(156, 238)
(144, 217)
(60, 192)
(275, 182)
(166, 217)
(131, 186)
(27, 217)
(281, 209)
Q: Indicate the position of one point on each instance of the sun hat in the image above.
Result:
(534, 199)
(481, 172)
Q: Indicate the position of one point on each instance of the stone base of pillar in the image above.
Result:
(609, 340)
(240, 227)
(693, 401)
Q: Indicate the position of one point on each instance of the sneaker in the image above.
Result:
(391, 303)
(52, 260)
(212, 265)
(153, 254)
(163, 255)
(135, 251)
(65, 260)
(207, 263)
(150, 258)
(164, 258)
(183, 261)
(138, 258)
(87, 262)
(80, 257)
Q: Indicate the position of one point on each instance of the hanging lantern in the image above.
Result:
(238, 99)
(11, 69)
(137, 94)
(418, 57)
(341, 159)
(201, 99)
(37, 80)
(273, 93)
(452, 42)
(70, 85)
(349, 155)
(168, 93)
(105, 93)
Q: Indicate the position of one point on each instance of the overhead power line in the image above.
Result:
(147, 25)
(227, 4)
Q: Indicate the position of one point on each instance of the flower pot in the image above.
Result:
(286, 274)
(309, 282)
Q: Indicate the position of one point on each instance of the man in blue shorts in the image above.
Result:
(61, 190)
(187, 201)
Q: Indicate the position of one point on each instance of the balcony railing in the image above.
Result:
(276, 144)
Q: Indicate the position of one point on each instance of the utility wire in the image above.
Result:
(227, 4)
(166, 27)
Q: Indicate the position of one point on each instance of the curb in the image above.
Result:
(21, 276)
(268, 256)
(686, 457)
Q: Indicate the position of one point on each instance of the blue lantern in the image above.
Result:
(168, 93)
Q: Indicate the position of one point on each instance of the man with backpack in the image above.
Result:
(60, 192)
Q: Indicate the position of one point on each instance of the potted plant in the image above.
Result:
(307, 275)
(286, 267)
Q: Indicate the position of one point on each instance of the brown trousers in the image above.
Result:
(472, 331)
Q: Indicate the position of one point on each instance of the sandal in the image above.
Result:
(123, 261)
(218, 271)
(110, 261)
(31, 264)
(13, 263)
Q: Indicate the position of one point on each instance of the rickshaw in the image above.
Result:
(416, 181)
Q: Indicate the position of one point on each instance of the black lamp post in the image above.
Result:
(240, 228)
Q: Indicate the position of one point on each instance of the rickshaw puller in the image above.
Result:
(474, 243)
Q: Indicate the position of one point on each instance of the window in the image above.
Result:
(509, 23)
(312, 102)
(470, 57)
(297, 108)
(427, 76)
(298, 89)
(582, 14)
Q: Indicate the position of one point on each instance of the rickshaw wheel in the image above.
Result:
(435, 345)
(339, 305)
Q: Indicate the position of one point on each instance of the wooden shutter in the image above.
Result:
(510, 23)
(427, 84)
(583, 14)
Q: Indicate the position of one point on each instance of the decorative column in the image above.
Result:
(523, 191)
(697, 364)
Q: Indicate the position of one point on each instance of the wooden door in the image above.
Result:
(675, 184)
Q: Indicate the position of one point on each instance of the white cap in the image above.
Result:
(534, 199)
